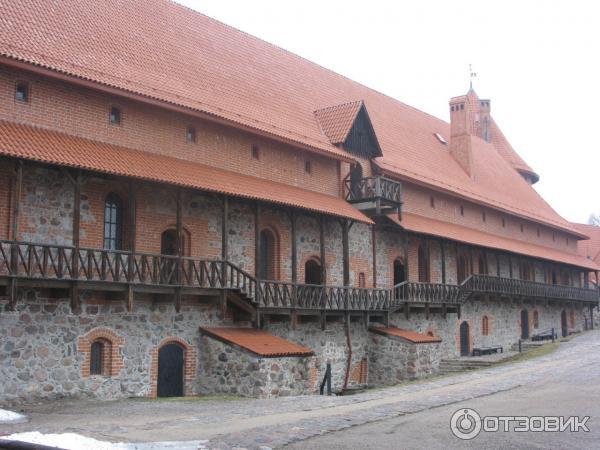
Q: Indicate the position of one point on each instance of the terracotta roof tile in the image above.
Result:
(258, 342)
(589, 248)
(52, 147)
(433, 227)
(336, 121)
(411, 336)
(508, 152)
(164, 51)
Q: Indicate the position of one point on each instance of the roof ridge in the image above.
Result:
(305, 59)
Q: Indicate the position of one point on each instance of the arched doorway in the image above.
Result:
(399, 272)
(563, 323)
(524, 324)
(312, 272)
(356, 175)
(464, 339)
(268, 251)
(170, 371)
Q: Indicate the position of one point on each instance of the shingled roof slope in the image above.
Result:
(164, 51)
(38, 144)
(589, 248)
(336, 121)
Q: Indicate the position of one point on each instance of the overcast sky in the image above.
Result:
(538, 61)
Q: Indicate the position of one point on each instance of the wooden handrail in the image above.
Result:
(372, 188)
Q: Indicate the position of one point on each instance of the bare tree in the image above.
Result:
(594, 219)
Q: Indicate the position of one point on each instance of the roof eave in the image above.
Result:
(105, 88)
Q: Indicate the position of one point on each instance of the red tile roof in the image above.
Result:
(411, 336)
(336, 121)
(163, 51)
(460, 233)
(52, 147)
(590, 248)
(258, 342)
(508, 152)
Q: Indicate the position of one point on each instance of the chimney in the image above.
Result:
(461, 128)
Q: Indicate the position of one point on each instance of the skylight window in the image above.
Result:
(441, 138)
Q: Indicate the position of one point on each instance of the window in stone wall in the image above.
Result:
(536, 319)
(485, 326)
(113, 222)
(100, 354)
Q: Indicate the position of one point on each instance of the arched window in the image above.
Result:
(361, 280)
(399, 273)
(267, 266)
(312, 272)
(423, 263)
(113, 222)
(482, 265)
(485, 326)
(100, 352)
(462, 268)
(536, 319)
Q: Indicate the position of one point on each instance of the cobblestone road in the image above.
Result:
(274, 423)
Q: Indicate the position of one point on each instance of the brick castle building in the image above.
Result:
(187, 209)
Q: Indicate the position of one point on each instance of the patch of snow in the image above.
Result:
(7, 416)
(73, 441)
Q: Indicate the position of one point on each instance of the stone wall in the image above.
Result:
(393, 360)
(229, 370)
(329, 345)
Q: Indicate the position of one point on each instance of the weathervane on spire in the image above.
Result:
(472, 75)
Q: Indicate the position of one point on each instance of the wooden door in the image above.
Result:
(170, 371)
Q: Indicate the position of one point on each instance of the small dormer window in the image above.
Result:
(22, 92)
(115, 116)
(190, 134)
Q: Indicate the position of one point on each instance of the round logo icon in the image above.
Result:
(465, 424)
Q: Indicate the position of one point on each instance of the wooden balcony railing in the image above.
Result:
(512, 287)
(60, 262)
(372, 189)
(23, 260)
(413, 292)
(278, 294)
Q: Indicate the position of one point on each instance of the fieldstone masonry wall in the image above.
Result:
(229, 370)
(392, 359)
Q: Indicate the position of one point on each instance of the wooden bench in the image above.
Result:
(543, 336)
(480, 351)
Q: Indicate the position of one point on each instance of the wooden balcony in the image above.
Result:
(427, 293)
(376, 194)
(277, 295)
(54, 265)
(510, 287)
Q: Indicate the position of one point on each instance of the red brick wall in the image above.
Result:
(84, 112)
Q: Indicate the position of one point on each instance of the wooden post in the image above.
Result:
(75, 300)
(485, 261)
(510, 267)
(224, 251)
(346, 251)
(257, 259)
(374, 249)
(322, 250)
(443, 257)
(179, 229)
(294, 246)
(132, 233)
(406, 243)
(14, 250)
(497, 264)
